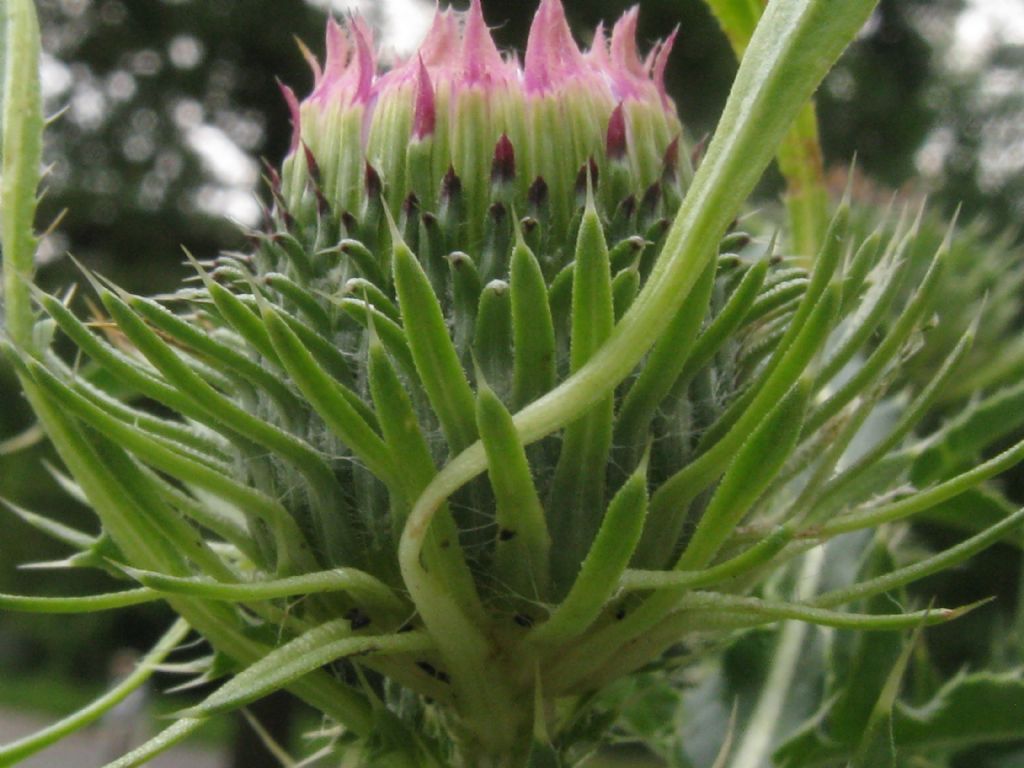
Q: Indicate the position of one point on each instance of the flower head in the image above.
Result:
(460, 105)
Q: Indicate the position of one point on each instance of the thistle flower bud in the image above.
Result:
(459, 104)
(458, 240)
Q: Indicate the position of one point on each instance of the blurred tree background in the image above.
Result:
(170, 104)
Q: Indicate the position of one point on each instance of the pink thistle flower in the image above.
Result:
(459, 100)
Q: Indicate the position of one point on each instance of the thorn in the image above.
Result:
(55, 223)
(47, 122)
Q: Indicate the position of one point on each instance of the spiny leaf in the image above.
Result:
(63, 533)
(523, 545)
(939, 562)
(664, 365)
(771, 610)
(818, 290)
(765, 549)
(404, 438)
(753, 469)
(362, 586)
(669, 503)
(578, 488)
(532, 327)
(876, 748)
(888, 281)
(78, 604)
(605, 562)
(317, 647)
(120, 365)
(874, 366)
(436, 360)
(922, 500)
(960, 441)
(908, 420)
(721, 329)
(970, 710)
(389, 331)
(326, 396)
(293, 547)
(189, 334)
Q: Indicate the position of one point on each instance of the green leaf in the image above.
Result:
(143, 546)
(970, 710)
(306, 653)
(78, 604)
(974, 511)
(888, 348)
(910, 417)
(979, 425)
(62, 533)
(223, 356)
(492, 340)
(887, 282)
(821, 284)
(293, 547)
(389, 332)
(625, 287)
(665, 364)
(607, 559)
(443, 552)
(754, 468)
(127, 370)
(934, 564)
(362, 586)
(670, 501)
(436, 359)
(758, 611)
(328, 398)
(304, 301)
(875, 747)
(922, 500)
(735, 312)
(523, 544)
(759, 554)
(220, 409)
(578, 489)
(532, 327)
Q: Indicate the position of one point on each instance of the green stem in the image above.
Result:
(799, 156)
(22, 151)
(803, 167)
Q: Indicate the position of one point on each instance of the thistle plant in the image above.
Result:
(503, 403)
